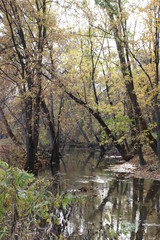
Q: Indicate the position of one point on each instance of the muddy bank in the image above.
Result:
(133, 169)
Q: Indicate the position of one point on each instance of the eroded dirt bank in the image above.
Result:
(133, 169)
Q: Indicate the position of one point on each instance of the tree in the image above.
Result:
(118, 20)
(85, 71)
(23, 47)
(152, 30)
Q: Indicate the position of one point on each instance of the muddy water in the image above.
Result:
(114, 206)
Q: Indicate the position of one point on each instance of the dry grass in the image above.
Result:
(11, 153)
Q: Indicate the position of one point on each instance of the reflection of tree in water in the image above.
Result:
(61, 213)
(146, 206)
(90, 156)
(125, 201)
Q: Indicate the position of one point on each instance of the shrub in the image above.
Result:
(28, 209)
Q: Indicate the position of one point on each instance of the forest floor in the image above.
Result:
(132, 168)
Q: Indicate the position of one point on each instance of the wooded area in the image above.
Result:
(80, 72)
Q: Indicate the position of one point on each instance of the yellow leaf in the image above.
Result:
(47, 208)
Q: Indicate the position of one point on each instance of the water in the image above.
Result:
(114, 207)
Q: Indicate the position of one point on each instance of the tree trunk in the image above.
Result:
(128, 80)
(8, 128)
(55, 138)
(30, 144)
(126, 156)
(156, 103)
(140, 154)
(55, 155)
(30, 160)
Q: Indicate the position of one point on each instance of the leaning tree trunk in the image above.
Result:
(121, 149)
(8, 128)
(55, 138)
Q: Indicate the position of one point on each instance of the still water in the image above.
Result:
(114, 207)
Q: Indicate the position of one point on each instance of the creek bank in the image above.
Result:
(133, 169)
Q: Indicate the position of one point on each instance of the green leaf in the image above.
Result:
(107, 217)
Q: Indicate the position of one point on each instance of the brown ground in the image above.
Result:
(149, 171)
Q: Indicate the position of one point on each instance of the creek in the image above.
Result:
(114, 206)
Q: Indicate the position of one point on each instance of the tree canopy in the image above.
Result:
(80, 71)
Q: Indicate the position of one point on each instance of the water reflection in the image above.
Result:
(114, 208)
